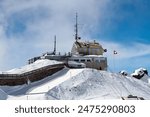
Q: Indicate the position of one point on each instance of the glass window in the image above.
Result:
(88, 60)
(77, 60)
(82, 60)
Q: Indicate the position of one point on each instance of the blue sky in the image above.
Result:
(130, 21)
(27, 29)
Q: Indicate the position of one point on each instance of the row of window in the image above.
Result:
(85, 60)
(82, 60)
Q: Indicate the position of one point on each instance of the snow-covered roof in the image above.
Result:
(123, 71)
(93, 56)
(89, 56)
(139, 71)
(36, 65)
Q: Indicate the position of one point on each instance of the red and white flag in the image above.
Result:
(115, 52)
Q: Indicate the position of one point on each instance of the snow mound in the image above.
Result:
(94, 84)
(36, 65)
(146, 79)
(123, 72)
(141, 74)
(3, 95)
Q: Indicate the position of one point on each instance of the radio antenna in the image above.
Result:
(55, 45)
(76, 28)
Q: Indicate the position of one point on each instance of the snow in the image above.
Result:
(141, 74)
(93, 84)
(3, 95)
(76, 64)
(36, 65)
(139, 71)
(76, 55)
(124, 72)
(37, 89)
(80, 84)
(93, 56)
(146, 79)
(57, 81)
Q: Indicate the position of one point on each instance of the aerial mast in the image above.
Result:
(55, 45)
(76, 28)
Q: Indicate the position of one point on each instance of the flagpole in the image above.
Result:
(114, 60)
(114, 53)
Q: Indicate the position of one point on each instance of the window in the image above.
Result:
(77, 60)
(82, 60)
(97, 61)
(88, 60)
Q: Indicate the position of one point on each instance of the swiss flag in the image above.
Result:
(115, 52)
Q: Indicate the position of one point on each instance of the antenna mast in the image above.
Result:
(55, 45)
(76, 27)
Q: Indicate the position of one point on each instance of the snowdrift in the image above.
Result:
(94, 84)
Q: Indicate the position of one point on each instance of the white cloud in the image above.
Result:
(3, 48)
(39, 33)
(128, 57)
(59, 21)
(127, 51)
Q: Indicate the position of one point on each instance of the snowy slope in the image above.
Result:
(37, 90)
(36, 65)
(3, 95)
(93, 84)
(82, 84)
(146, 79)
